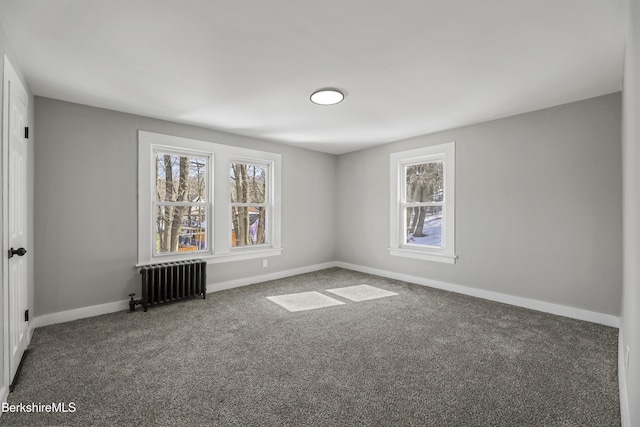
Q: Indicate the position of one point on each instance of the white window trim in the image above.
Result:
(397, 246)
(219, 247)
(269, 205)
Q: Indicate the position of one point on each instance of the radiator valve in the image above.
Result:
(133, 303)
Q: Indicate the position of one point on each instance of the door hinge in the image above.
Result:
(26, 315)
(26, 132)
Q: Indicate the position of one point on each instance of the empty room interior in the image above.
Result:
(423, 212)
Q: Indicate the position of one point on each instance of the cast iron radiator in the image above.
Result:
(171, 281)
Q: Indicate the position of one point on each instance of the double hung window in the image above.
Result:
(423, 203)
(181, 202)
(198, 199)
(250, 203)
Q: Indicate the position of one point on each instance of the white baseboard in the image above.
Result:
(622, 382)
(79, 313)
(561, 310)
(112, 307)
(229, 284)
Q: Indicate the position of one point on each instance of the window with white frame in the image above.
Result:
(198, 199)
(250, 183)
(182, 202)
(423, 203)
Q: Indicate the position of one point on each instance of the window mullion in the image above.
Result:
(180, 204)
(249, 205)
(418, 204)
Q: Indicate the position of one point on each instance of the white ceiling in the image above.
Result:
(408, 67)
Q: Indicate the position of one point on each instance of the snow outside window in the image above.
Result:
(422, 203)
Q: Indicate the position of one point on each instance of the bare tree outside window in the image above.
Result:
(249, 203)
(424, 197)
(181, 205)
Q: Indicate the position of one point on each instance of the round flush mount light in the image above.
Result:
(327, 96)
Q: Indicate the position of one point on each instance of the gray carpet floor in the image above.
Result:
(424, 357)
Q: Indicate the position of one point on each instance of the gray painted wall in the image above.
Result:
(630, 330)
(538, 206)
(531, 190)
(6, 48)
(86, 205)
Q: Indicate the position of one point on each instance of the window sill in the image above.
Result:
(243, 254)
(240, 255)
(425, 256)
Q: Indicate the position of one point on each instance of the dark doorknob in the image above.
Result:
(19, 252)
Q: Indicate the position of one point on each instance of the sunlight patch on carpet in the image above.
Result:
(361, 292)
(304, 301)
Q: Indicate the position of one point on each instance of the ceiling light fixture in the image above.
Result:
(327, 96)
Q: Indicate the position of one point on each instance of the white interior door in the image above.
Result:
(16, 215)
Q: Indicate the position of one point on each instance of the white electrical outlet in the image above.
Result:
(626, 359)
(265, 263)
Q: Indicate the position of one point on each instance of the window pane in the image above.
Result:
(425, 182)
(424, 226)
(248, 225)
(180, 228)
(249, 183)
(180, 178)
